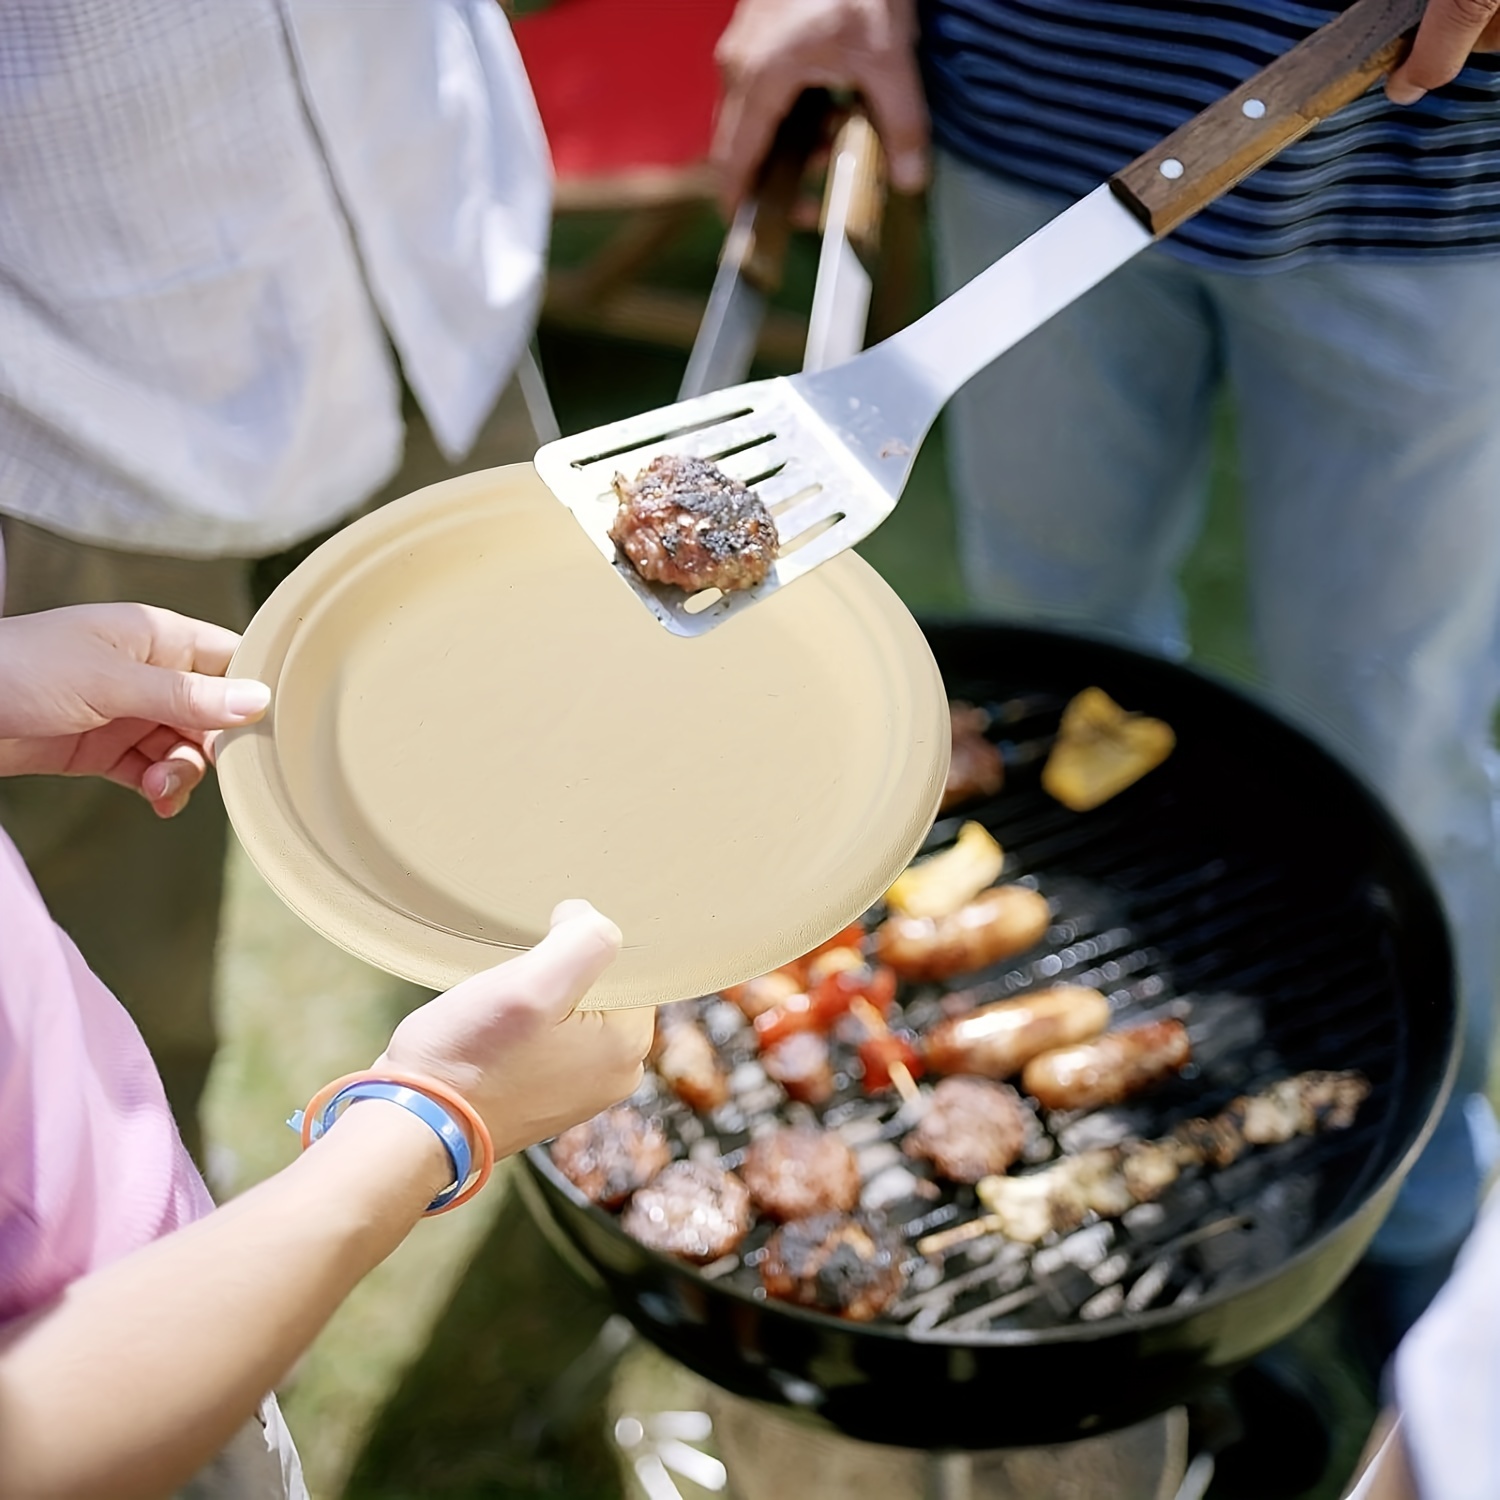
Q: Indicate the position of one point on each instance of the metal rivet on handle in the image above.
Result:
(1253, 109)
(1172, 168)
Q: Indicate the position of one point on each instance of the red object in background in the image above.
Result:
(624, 85)
(880, 1053)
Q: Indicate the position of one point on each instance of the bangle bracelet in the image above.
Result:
(453, 1119)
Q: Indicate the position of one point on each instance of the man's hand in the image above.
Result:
(512, 1043)
(774, 49)
(123, 691)
(1450, 31)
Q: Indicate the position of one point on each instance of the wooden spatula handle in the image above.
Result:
(1226, 142)
(857, 138)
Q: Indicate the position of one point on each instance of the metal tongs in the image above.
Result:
(830, 451)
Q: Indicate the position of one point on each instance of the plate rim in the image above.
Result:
(287, 855)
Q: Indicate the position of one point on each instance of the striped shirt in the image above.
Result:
(1060, 94)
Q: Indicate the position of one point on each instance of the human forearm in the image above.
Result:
(169, 1351)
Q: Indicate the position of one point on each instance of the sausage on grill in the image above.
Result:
(685, 522)
(801, 1065)
(797, 1171)
(998, 1040)
(686, 1060)
(998, 923)
(847, 1264)
(692, 1209)
(1109, 1069)
(971, 1128)
(975, 768)
(609, 1157)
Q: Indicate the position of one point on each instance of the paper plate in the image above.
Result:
(473, 720)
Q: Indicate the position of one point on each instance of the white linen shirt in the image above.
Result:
(216, 218)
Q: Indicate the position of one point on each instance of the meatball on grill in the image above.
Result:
(798, 1171)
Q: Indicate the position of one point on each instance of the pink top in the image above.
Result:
(91, 1166)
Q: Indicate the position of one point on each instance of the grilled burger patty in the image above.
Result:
(972, 1128)
(682, 521)
(849, 1264)
(801, 1170)
(609, 1157)
(692, 1209)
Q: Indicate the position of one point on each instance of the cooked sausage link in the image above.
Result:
(996, 924)
(1110, 1069)
(998, 1040)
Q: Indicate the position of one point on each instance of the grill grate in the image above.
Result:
(1273, 966)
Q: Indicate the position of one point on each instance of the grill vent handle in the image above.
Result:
(1223, 145)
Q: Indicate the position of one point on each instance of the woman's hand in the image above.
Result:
(510, 1041)
(774, 49)
(1450, 31)
(124, 691)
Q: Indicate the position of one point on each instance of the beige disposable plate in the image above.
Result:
(472, 720)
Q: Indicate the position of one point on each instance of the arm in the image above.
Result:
(171, 1349)
(1450, 31)
(774, 49)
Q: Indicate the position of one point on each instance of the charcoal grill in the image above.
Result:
(1250, 884)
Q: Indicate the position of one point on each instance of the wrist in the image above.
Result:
(389, 1140)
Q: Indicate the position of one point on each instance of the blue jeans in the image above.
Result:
(1367, 405)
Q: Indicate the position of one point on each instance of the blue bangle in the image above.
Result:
(429, 1111)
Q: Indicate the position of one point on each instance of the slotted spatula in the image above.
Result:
(830, 453)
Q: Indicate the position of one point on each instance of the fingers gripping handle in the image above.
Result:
(1223, 145)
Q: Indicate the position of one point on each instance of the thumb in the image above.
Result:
(555, 975)
(187, 700)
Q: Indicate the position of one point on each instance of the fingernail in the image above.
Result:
(244, 698)
(1400, 92)
(171, 784)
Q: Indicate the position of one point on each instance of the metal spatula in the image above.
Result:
(830, 453)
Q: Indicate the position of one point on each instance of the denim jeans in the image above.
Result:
(1367, 405)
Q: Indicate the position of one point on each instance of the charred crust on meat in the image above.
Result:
(851, 1265)
(609, 1157)
(686, 523)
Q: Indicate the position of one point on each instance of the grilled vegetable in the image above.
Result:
(1101, 750)
(942, 883)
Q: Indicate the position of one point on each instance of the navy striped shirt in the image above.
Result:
(1062, 93)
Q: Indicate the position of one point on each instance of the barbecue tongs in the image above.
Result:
(830, 452)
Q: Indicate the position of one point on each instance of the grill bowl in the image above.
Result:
(1256, 864)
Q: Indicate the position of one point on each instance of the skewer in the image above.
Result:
(874, 1023)
(946, 1239)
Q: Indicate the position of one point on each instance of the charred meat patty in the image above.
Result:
(609, 1157)
(682, 521)
(972, 1128)
(798, 1171)
(847, 1264)
(692, 1209)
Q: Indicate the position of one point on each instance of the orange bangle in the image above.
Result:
(479, 1135)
